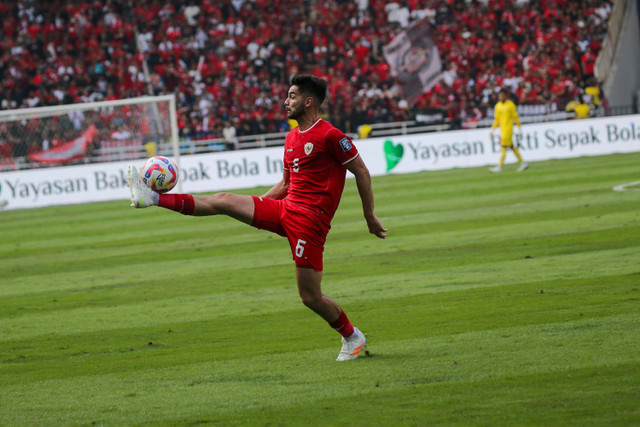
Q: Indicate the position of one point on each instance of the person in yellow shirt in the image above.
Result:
(505, 116)
(593, 90)
(582, 108)
(579, 107)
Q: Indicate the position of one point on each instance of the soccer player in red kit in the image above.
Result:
(299, 207)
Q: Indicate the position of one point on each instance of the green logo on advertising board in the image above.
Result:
(393, 153)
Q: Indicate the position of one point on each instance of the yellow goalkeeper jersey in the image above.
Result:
(506, 114)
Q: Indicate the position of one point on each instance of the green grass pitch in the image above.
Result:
(509, 299)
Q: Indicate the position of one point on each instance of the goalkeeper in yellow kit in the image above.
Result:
(506, 114)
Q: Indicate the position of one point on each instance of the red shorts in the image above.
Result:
(306, 230)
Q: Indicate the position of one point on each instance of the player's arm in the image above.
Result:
(280, 190)
(495, 121)
(516, 119)
(363, 182)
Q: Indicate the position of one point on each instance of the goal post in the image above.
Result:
(92, 132)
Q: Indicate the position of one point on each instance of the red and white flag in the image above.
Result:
(67, 152)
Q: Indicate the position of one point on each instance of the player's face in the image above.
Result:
(502, 97)
(294, 104)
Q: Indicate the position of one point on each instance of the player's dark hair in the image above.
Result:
(311, 85)
(509, 95)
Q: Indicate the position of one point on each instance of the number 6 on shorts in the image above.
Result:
(300, 247)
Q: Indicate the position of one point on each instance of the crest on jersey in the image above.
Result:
(345, 144)
(308, 148)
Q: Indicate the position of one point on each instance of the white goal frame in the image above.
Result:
(57, 110)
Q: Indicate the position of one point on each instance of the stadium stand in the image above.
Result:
(229, 61)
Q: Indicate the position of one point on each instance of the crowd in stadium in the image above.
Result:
(229, 61)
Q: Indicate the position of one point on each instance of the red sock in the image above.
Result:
(343, 325)
(182, 203)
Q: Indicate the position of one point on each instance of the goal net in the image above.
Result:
(92, 132)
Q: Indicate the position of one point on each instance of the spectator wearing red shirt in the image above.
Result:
(588, 62)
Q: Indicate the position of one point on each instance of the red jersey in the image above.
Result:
(316, 159)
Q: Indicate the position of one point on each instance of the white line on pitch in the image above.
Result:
(623, 187)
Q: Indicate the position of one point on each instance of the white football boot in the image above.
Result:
(352, 346)
(141, 196)
(523, 166)
(496, 169)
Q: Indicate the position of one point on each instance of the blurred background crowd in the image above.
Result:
(229, 61)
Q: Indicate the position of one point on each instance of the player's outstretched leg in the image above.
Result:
(141, 195)
(237, 206)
